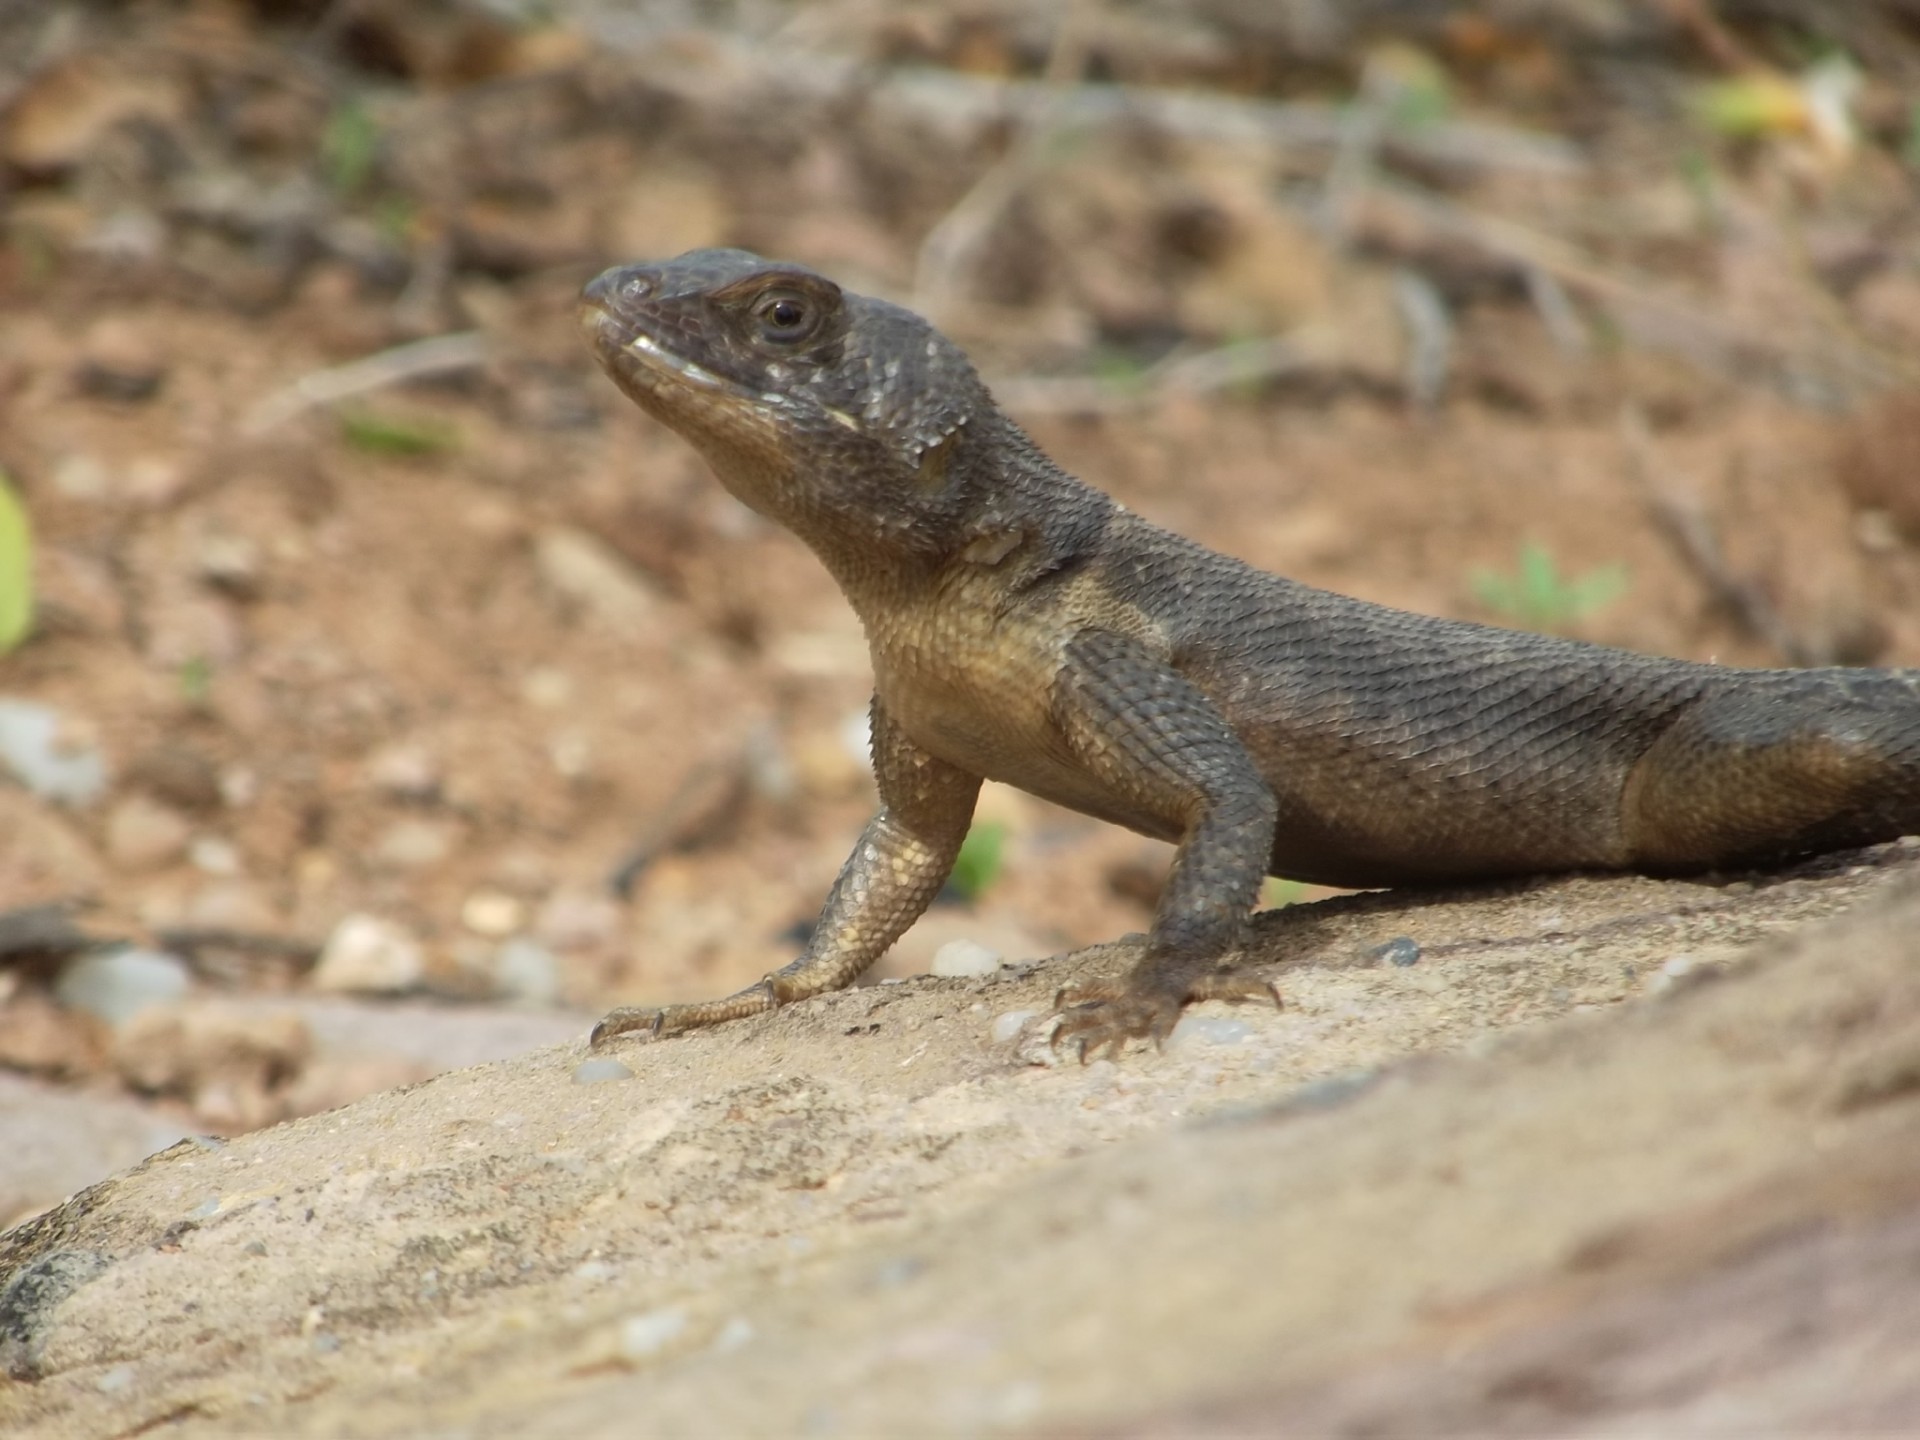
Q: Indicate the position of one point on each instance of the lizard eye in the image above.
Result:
(784, 317)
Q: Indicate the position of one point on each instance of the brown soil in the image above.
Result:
(455, 689)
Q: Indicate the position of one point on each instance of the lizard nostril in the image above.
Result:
(625, 283)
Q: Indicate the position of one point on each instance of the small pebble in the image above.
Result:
(493, 913)
(1402, 950)
(1209, 1030)
(599, 1069)
(644, 1336)
(369, 955)
(143, 834)
(407, 772)
(414, 843)
(213, 856)
(733, 1335)
(115, 1380)
(116, 985)
(44, 759)
(120, 362)
(960, 959)
(526, 970)
(1008, 1026)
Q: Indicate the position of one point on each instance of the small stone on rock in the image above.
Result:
(1402, 950)
(644, 1336)
(958, 959)
(599, 1070)
(1008, 1026)
(1209, 1030)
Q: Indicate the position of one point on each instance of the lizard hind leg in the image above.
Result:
(1756, 775)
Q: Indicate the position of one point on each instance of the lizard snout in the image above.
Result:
(622, 283)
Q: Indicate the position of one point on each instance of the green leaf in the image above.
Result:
(392, 435)
(979, 861)
(16, 570)
(1538, 597)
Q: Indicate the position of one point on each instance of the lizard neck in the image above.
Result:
(1001, 509)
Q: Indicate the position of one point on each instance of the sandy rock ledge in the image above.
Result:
(1610, 1156)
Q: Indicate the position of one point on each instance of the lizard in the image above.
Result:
(1024, 626)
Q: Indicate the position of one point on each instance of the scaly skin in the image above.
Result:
(1026, 628)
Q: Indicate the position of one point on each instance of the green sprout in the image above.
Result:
(349, 146)
(979, 861)
(16, 570)
(196, 680)
(1538, 597)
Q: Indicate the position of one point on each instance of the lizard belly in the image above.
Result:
(984, 706)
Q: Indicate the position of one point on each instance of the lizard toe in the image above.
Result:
(1096, 1017)
(624, 1021)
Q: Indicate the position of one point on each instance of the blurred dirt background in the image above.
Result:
(379, 649)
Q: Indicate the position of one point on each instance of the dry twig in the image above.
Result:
(1682, 516)
(437, 355)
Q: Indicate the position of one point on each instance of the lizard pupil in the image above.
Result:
(786, 314)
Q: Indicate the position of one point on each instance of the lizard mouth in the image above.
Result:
(632, 352)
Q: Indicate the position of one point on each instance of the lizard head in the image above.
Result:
(832, 412)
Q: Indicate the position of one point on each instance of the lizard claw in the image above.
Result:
(1107, 1014)
(625, 1020)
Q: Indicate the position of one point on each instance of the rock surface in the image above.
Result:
(1473, 1195)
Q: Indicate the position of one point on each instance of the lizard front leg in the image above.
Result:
(1152, 738)
(902, 859)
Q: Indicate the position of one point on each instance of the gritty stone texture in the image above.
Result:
(1483, 1204)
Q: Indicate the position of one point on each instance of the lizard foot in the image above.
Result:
(1108, 1013)
(661, 1021)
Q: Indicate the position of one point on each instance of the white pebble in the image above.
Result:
(35, 748)
(1009, 1025)
(1209, 1030)
(644, 1336)
(599, 1070)
(526, 971)
(369, 955)
(117, 984)
(492, 912)
(960, 959)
